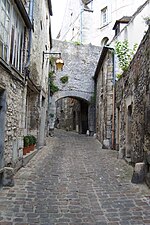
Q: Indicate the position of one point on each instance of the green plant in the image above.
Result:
(51, 74)
(119, 75)
(33, 139)
(124, 54)
(77, 43)
(30, 139)
(26, 141)
(52, 61)
(64, 79)
(53, 87)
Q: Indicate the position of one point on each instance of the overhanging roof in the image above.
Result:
(23, 13)
(124, 19)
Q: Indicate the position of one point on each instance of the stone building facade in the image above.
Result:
(37, 79)
(106, 76)
(16, 78)
(105, 99)
(133, 108)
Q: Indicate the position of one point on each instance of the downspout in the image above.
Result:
(114, 96)
(81, 23)
(30, 37)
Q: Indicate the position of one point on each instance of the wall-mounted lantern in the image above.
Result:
(59, 62)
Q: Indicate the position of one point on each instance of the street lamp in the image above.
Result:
(59, 62)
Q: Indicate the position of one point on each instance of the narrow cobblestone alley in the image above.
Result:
(73, 181)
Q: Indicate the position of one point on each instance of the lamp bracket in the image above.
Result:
(51, 53)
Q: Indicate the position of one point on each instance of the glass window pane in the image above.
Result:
(5, 53)
(2, 17)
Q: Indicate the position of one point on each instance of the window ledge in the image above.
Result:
(11, 70)
(105, 25)
(5, 65)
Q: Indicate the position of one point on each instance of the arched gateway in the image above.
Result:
(76, 79)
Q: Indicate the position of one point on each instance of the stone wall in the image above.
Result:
(104, 102)
(80, 62)
(79, 65)
(13, 141)
(67, 113)
(133, 106)
(37, 94)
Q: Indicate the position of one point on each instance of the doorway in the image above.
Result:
(129, 132)
(84, 117)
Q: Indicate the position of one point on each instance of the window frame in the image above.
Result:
(15, 40)
(5, 30)
(104, 13)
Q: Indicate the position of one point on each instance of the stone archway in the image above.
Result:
(80, 62)
(83, 118)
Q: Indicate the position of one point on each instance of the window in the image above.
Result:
(4, 28)
(16, 46)
(104, 16)
(104, 41)
(11, 35)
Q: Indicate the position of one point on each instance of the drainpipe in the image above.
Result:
(81, 23)
(31, 6)
(114, 95)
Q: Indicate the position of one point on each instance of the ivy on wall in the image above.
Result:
(53, 88)
(64, 79)
(124, 54)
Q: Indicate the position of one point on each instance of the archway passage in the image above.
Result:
(72, 114)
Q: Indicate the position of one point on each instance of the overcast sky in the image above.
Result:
(58, 7)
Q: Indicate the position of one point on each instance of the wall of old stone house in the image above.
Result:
(133, 106)
(13, 119)
(104, 102)
(40, 43)
(37, 97)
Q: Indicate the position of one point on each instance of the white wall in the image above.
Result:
(40, 39)
(133, 32)
(92, 30)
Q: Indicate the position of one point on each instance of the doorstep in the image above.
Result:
(28, 157)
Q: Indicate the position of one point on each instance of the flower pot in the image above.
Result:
(25, 150)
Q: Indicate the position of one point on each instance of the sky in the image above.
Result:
(58, 7)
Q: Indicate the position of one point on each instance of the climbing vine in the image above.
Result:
(53, 88)
(52, 61)
(124, 54)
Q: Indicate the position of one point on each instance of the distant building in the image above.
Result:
(93, 21)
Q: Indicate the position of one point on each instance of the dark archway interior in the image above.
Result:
(72, 114)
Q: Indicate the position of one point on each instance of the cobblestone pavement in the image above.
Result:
(73, 181)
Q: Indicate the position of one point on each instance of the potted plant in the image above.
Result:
(34, 140)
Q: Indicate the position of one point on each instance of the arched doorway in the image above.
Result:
(72, 114)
